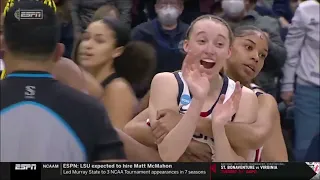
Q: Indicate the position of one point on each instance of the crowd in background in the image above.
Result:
(290, 72)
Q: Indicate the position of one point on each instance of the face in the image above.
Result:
(97, 46)
(248, 55)
(209, 45)
(168, 11)
(233, 8)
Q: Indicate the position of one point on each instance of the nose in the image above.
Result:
(87, 44)
(255, 56)
(210, 49)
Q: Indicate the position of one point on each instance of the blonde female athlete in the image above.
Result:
(207, 47)
(249, 48)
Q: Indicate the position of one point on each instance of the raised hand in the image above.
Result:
(223, 112)
(197, 81)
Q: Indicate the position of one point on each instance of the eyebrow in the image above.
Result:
(255, 44)
(203, 32)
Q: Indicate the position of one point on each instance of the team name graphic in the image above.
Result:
(25, 167)
(315, 166)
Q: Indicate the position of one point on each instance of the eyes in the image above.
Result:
(218, 43)
(86, 37)
(251, 48)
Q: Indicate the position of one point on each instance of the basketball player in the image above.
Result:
(249, 51)
(105, 51)
(274, 146)
(207, 46)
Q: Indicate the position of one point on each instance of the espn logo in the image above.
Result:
(25, 167)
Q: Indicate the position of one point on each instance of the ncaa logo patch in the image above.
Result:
(185, 99)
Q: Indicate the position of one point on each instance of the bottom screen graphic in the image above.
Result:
(197, 171)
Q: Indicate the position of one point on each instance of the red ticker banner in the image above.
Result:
(185, 171)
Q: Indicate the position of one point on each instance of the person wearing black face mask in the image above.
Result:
(166, 34)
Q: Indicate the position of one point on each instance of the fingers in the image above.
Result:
(194, 158)
(161, 113)
(158, 132)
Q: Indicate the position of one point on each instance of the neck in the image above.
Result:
(20, 64)
(169, 27)
(235, 78)
(102, 72)
(216, 85)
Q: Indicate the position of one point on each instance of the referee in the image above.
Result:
(43, 120)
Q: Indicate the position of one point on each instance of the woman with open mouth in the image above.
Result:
(249, 50)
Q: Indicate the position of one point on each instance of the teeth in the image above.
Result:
(208, 60)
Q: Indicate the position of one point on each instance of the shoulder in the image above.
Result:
(164, 78)
(248, 96)
(118, 86)
(308, 4)
(142, 26)
(267, 100)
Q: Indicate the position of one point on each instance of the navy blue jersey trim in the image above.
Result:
(180, 86)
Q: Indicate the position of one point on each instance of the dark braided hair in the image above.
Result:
(213, 18)
(247, 30)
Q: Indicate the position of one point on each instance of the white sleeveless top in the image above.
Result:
(184, 100)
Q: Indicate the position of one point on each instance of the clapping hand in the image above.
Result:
(223, 112)
(198, 82)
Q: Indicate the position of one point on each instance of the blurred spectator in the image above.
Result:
(302, 44)
(82, 12)
(139, 12)
(192, 9)
(64, 16)
(263, 9)
(106, 10)
(166, 33)
(284, 10)
(241, 12)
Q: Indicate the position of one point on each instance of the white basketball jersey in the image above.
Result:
(185, 98)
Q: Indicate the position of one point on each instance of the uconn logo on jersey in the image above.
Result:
(185, 101)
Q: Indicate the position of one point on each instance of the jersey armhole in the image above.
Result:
(180, 85)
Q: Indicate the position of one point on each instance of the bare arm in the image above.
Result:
(136, 151)
(119, 100)
(224, 152)
(140, 131)
(244, 135)
(274, 149)
(161, 97)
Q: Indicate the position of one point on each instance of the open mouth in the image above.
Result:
(208, 64)
(250, 67)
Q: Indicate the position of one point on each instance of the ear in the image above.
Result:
(117, 52)
(186, 46)
(59, 52)
(229, 53)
